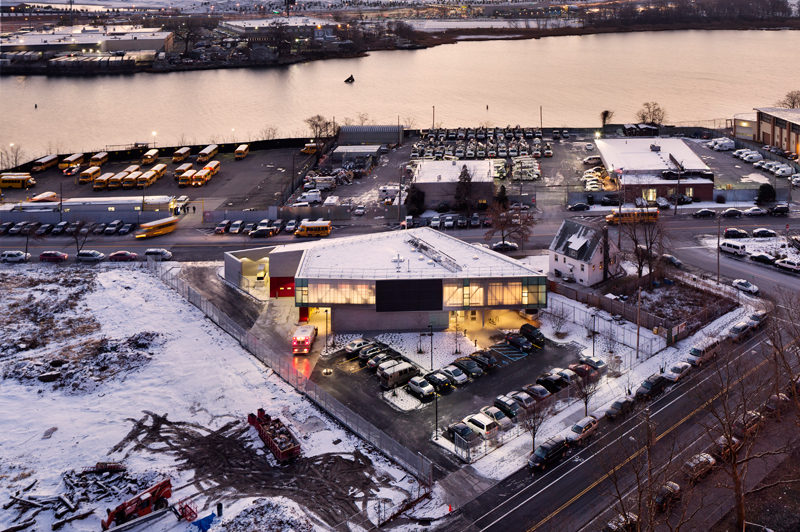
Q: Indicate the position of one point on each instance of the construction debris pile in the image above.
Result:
(269, 515)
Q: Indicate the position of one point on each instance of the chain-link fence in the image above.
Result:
(420, 466)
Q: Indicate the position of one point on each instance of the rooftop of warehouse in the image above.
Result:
(637, 155)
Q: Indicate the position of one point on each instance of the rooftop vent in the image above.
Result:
(655, 147)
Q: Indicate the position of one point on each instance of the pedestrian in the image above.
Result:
(194, 209)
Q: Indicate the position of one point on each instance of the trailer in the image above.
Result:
(275, 435)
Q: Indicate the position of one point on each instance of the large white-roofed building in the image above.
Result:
(653, 167)
(438, 179)
(401, 280)
(777, 126)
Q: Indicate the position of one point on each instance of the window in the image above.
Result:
(593, 267)
(582, 267)
(556, 258)
(689, 191)
(650, 194)
(505, 293)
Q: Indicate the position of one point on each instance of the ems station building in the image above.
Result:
(656, 167)
(399, 280)
(438, 179)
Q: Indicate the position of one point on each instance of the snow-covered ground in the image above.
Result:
(777, 247)
(187, 382)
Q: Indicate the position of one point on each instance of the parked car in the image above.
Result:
(595, 363)
(248, 228)
(114, 227)
(462, 221)
(17, 228)
(532, 334)
(780, 210)
(89, 255)
(439, 381)
(582, 431)
(127, 228)
(620, 408)
(569, 376)
(222, 227)
(585, 372)
(53, 256)
(484, 359)
(578, 207)
(552, 383)
(498, 416)
(262, 232)
(755, 211)
(792, 265)
(761, 232)
(99, 229)
(44, 229)
(455, 375)
(420, 387)
(468, 366)
(678, 371)
(158, 254)
(522, 399)
(739, 332)
(483, 425)
(667, 495)
(505, 246)
(508, 406)
(745, 286)
(60, 228)
(705, 213)
(651, 387)
(747, 424)
(609, 200)
(291, 226)
(235, 227)
(724, 449)
(5, 227)
(380, 358)
(368, 352)
(463, 431)
(698, 466)
(671, 260)
(73, 228)
(731, 213)
(536, 391)
(122, 256)
(356, 345)
(88, 228)
(758, 319)
(628, 522)
(14, 256)
(763, 258)
(518, 341)
(733, 232)
(548, 453)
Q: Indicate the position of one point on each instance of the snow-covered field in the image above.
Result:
(175, 405)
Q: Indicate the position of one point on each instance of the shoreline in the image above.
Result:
(422, 40)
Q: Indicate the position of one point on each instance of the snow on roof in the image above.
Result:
(576, 242)
(650, 179)
(275, 21)
(790, 115)
(581, 240)
(449, 171)
(421, 253)
(634, 155)
(79, 35)
(751, 117)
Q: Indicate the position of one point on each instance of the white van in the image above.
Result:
(724, 145)
(398, 375)
(703, 352)
(734, 248)
(753, 157)
(592, 159)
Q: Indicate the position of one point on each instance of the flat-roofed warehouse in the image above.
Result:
(90, 39)
(653, 167)
(438, 179)
(400, 280)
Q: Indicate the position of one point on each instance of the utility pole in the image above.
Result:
(638, 308)
(719, 230)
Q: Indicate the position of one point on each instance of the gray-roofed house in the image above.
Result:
(583, 252)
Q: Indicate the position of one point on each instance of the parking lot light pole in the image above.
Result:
(326, 332)
(719, 229)
(435, 393)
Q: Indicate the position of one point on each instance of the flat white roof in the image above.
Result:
(286, 21)
(790, 115)
(421, 253)
(633, 155)
(650, 179)
(85, 35)
(449, 171)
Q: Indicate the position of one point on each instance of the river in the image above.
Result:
(694, 75)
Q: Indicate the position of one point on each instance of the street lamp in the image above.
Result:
(719, 230)
(326, 332)
(435, 393)
(154, 139)
(233, 135)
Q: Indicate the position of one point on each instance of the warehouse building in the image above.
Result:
(438, 179)
(656, 167)
(778, 127)
(90, 39)
(400, 280)
(355, 135)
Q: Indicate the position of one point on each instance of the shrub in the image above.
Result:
(720, 198)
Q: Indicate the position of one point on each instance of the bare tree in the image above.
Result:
(651, 113)
(606, 116)
(268, 132)
(791, 100)
(80, 238)
(647, 239)
(11, 156)
(364, 119)
(320, 126)
(30, 234)
(585, 388)
(557, 317)
(183, 139)
(513, 224)
(409, 121)
(534, 417)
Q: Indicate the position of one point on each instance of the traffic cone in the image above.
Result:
(449, 507)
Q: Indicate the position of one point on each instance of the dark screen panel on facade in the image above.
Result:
(408, 295)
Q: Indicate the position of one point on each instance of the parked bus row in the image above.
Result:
(16, 180)
(187, 176)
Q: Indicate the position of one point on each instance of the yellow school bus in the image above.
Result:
(158, 227)
(116, 181)
(212, 166)
(101, 183)
(44, 163)
(89, 175)
(200, 178)
(314, 229)
(98, 159)
(241, 152)
(130, 180)
(627, 216)
(150, 157)
(160, 170)
(133, 168)
(16, 181)
(180, 155)
(182, 169)
(186, 178)
(207, 153)
(72, 160)
(146, 179)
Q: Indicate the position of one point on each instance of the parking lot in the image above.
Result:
(359, 388)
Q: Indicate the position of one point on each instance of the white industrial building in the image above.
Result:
(90, 39)
(438, 179)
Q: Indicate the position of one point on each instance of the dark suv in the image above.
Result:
(652, 386)
(468, 366)
(518, 341)
(484, 360)
(532, 334)
(779, 210)
(552, 383)
(549, 452)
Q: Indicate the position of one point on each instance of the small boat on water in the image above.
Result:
(351, 79)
